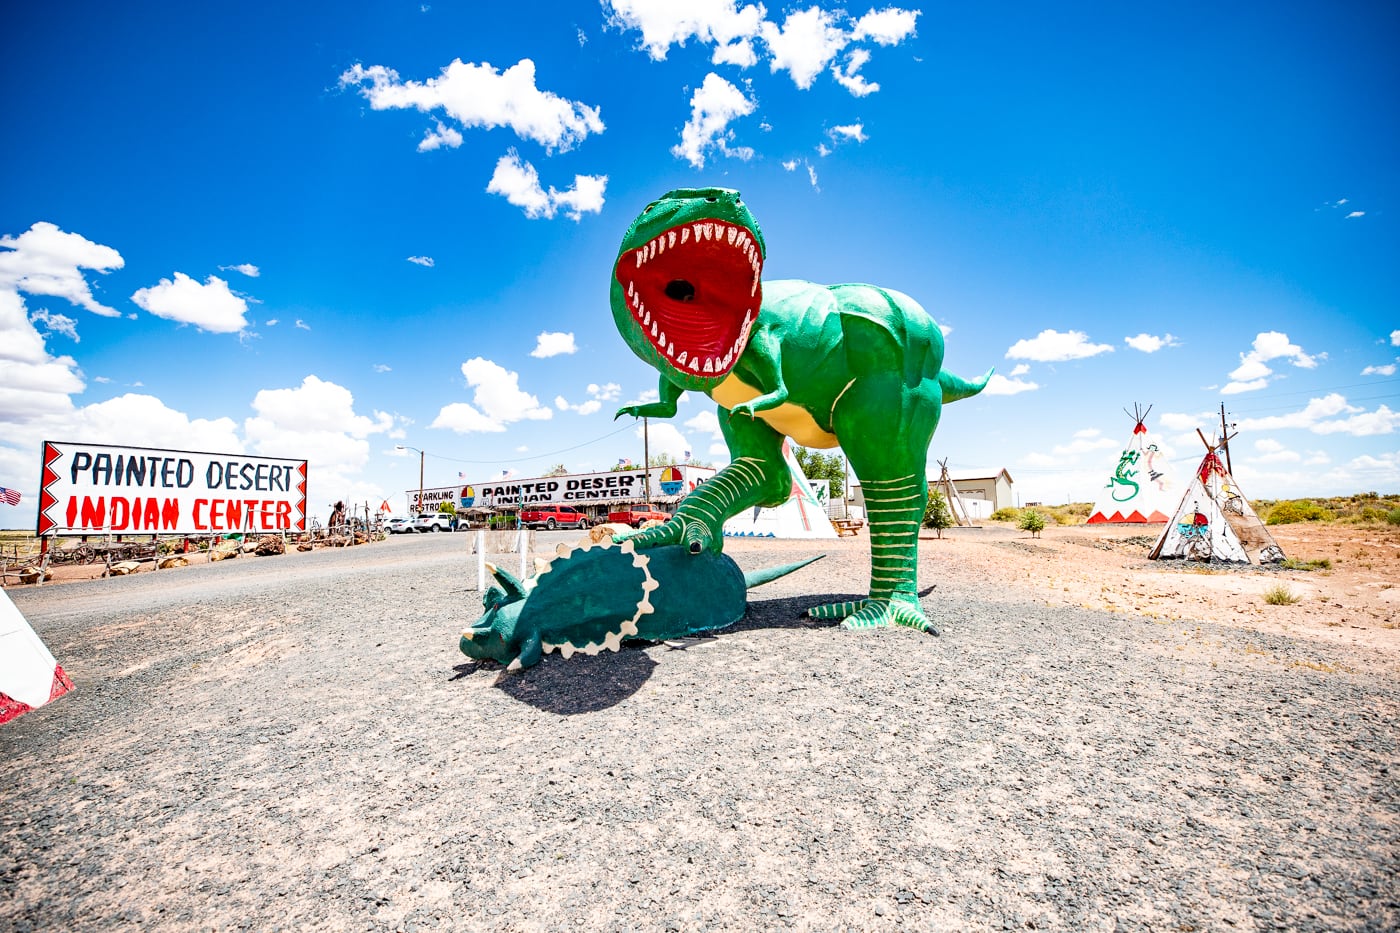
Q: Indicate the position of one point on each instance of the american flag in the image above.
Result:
(461, 475)
(624, 461)
(9, 496)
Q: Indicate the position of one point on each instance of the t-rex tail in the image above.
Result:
(955, 388)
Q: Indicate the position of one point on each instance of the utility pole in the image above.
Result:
(1225, 440)
(421, 455)
(646, 461)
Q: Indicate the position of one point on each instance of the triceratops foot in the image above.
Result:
(875, 613)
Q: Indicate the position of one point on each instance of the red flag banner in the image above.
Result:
(9, 496)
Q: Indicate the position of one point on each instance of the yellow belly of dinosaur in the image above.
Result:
(787, 418)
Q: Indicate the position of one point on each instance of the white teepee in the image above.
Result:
(803, 515)
(1214, 521)
(1141, 488)
(29, 676)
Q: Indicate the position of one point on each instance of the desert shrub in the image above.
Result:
(1006, 515)
(1393, 517)
(1292, 511)
(1280, 596)
(936, 513)
(1032, 521)
(1291, 563)
(1371, 514)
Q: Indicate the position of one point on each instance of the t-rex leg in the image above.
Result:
(888, 448)
(756, 475)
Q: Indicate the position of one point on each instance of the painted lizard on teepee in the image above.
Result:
(854, 366)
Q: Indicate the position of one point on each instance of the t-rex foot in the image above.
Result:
(875, 613)
(695, 535)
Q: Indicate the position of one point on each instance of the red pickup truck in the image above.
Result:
(553, 516)
(635, 517)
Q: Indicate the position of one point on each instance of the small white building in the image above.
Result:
(995, 489)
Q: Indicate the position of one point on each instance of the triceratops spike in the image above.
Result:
(645, 607)
(627, 547)
(629, 627)
(649, 584)
(468, 634)
(514, 589)
(566, 650)
(613, 642)
(768, 574)
(592, 648)
(564, 550)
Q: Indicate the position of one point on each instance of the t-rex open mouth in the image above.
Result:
(694, 291)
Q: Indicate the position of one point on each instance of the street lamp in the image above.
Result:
(421, 455)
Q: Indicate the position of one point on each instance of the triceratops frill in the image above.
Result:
(593, 596)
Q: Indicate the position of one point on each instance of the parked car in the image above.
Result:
(635, 517)
(553, 516)
(440, 521)
(397, 526)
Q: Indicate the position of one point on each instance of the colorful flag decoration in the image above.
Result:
(461, 475)
(9, 496)
(624, 461)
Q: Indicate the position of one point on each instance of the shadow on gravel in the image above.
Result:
(580, 684)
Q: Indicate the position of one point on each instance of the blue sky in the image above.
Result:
(328, 232)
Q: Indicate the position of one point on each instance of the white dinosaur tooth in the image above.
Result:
(641, 257)
(646, 319)
(709, 364)
(631, 288)
(660, 244)
(685, 234)
(653, 328)
(661, 339)
(682, 358)
(730, 234)
(709, 230)
(753, 289)
(695, 364)
(514, 665)
(698, 232)
(651, 250)
(670, 349)
(671, 237)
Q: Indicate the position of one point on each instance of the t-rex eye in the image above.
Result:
(680, 290)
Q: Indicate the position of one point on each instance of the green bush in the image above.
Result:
(936, 513)
(1032, 521)
(1393, 517)
(1297, 510)
(1006, 515)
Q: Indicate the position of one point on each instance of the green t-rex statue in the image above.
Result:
(854, 366)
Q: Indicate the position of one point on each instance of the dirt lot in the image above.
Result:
(1095, 742)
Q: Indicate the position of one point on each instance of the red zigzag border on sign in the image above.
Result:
(46, 498)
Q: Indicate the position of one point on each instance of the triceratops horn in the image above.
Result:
(514, 588)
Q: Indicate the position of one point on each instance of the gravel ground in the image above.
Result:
(296, 743)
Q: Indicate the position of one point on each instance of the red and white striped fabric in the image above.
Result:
(29, 675)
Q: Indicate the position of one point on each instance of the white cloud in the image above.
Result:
(1051, 346)
(1355, 214)
(790, 165)
(317, 421)
(425, 261)
(854, 131)
(1271, 451)
(244, 268)
(210, 307)
(582, 408)
(1254, 373)
(498, 399)
(54, 323)
(439, 136)
(479, 96)
(1365, 424)
(46, 261)
(663, 23)
(1020, 369)
(608, 392)
(848, 76)
(812, 176)
(1321, 416)
(664, 438)
(553, 344)
(1148, 343)
(519, 183)
(1000, 385)
(1178, 421)
(1083, 442)
(271, 322)
(1386, 370)
(301, 325)
(706, 422)
(889, 26)
(712, 107)
(804, 45)
(1395, 338)
(382, 368)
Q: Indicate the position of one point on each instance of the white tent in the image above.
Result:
(803, 515)
(29, 675)
(1214, 521)
(1141, 489)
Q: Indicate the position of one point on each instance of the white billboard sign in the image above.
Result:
(576, 489)
(101, 488)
